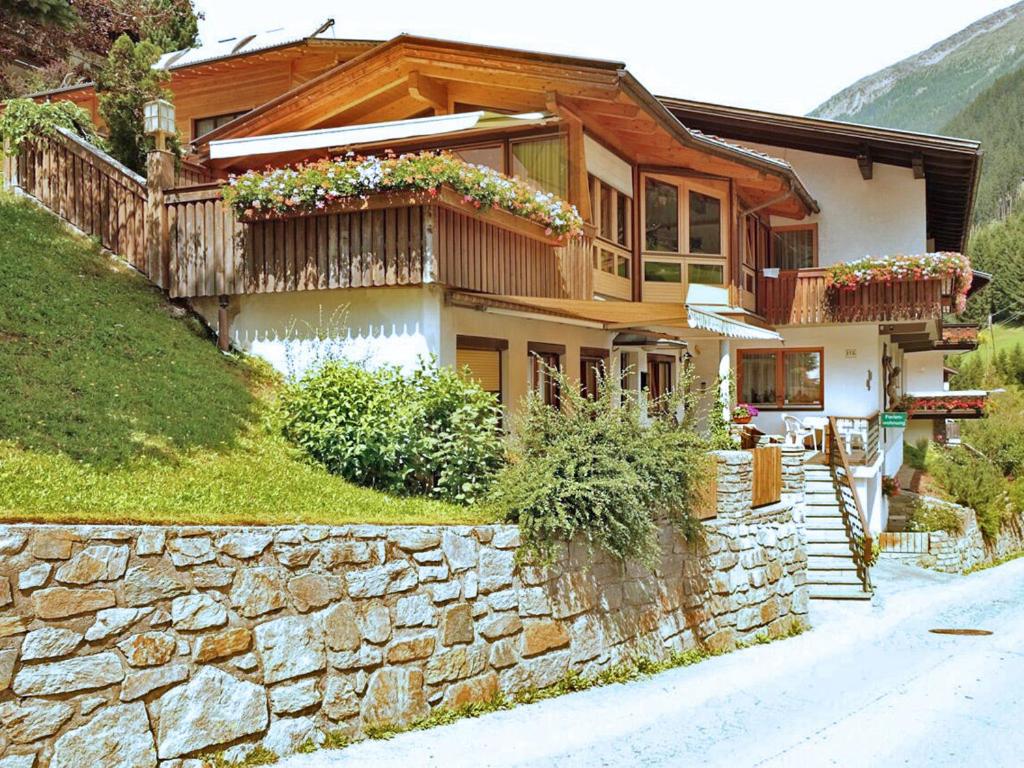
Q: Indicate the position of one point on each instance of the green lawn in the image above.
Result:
(1006, 338)
(116, 407)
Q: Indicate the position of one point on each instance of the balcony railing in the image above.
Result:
(803, 297)
(964, 404)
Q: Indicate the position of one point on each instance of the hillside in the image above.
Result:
(115, 406)
(996, 119)
(926, 91)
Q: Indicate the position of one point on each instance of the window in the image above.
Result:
(542, 163)
(705, 224)
(480, 360)
(661, 202)
(663, 272)
(203, 125)
(705, 274)
(659, 380)
(492, 156)
(607, 211)
(795, 247)
(544, 360)
(624, 223)
(789, 379)
(612, 212)
(593, 368)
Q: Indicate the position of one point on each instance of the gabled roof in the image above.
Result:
(602, 95)
(951, 166)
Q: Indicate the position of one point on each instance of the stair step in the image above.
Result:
(813, 485)
(838, 550)
(837, 592)
(833, 577)
(827, 536)
(823, 511)
(831, 563)
(820, 499)
(825, 523)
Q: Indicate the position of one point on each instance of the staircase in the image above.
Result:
(831, 570)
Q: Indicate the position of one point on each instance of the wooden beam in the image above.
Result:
(917, 163)
(431, 92)
(865, 163)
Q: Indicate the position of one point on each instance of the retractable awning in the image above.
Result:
(616, 315)
(371, 133)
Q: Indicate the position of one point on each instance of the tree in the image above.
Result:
(124, 84)
(40, 48)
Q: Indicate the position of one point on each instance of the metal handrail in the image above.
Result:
(855, 520)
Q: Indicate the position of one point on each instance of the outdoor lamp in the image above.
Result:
(159, 121)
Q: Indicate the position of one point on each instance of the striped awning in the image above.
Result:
(617, 315)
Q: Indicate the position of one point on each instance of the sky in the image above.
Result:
(784, 55)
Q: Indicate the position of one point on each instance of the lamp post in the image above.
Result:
(159, 121)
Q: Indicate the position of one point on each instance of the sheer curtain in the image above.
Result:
(542, 163)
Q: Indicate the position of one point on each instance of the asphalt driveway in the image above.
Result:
(870, 686)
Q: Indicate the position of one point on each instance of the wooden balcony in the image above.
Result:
(946, 404)
(802, 297)
(382, 240)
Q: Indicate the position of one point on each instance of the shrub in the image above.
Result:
(972, 481)
(934, 517)
(24, 119)
(591, 469)
(1000, 435)
(430, 433)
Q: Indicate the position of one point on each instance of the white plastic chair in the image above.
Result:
(800, 431)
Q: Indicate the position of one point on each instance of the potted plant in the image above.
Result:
(890, 486)
(743, 413)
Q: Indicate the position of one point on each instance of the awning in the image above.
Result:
(371, 133)
(616, 315)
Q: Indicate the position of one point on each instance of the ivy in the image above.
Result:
(24, 120)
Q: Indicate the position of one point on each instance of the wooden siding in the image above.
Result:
(476, 255)
(802, 297)
(767, 472)
(87, 189)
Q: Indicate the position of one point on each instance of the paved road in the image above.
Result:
(870, 686)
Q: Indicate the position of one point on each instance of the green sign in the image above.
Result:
(896, 419)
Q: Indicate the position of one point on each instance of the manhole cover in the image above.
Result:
(961, 631)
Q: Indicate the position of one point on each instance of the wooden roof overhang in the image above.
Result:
(410, 76)
(950, 166)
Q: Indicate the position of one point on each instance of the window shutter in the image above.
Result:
(484, 366)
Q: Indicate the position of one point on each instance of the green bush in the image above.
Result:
(1000, 435)
(591, 469)
(916, 456)
(926, 517)
(24, 119)
(430, 433)
(972, 481)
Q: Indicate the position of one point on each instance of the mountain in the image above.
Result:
(925, 92)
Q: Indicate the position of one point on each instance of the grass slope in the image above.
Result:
(115, 406)
(1002, 338)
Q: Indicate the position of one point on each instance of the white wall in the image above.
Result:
(882, 216)
(852, 352)
(923, 371)
(296, 330)
(518, 331)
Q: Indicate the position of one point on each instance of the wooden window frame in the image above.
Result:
(780, 377)
(541, 352)
(232, 115)
(813, 228)
(685, 185)
(657, 359)
(589, 356)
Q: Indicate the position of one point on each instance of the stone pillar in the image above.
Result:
(735, 484)
(159, 177)
(793, 469)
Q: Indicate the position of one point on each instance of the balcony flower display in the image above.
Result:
(954, 267)
(314, 186)
(743, 413)
(952, 402)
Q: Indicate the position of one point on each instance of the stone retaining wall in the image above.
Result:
(133, 646)
(956, 553)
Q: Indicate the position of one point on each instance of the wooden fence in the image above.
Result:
(767, 471)
(905, 542)
(803, 297)
(88, 188)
